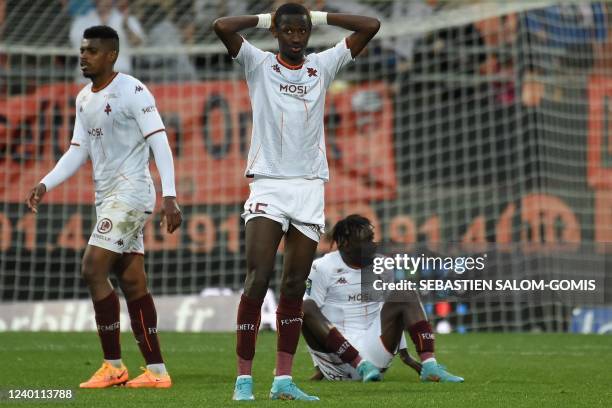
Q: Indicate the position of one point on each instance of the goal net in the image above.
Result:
(464, 122)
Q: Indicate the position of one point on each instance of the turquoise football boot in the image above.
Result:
(243, 390)
(285, 389)
(368, 372)
(434, 372)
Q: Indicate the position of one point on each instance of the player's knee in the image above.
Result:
(89, 272)
(133, 286)
(293, 287)
(256, 284)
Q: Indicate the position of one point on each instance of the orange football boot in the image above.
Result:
(148, 379)
(107, 376)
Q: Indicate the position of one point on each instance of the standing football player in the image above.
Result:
(342, 329)
(116, 125)
(288, 162)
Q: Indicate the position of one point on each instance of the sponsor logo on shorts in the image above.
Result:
(428, 336)
(152, 330)
(101, 237)
(119, 242)
(245, 327)
(104, 226)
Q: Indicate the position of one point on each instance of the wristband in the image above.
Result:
(265, 21)
(318, 17)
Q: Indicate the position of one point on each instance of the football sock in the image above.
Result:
(115, 363)
(144, 325)
(107, 321)
(423, 338)
(247, 326)
(336, 343)
(159, 369)
(288, 326)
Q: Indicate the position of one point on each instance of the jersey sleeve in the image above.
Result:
(141, 105)
(334, 59)
(316, 284)
(80, 136)
(249, 56)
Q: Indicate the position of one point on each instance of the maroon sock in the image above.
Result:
(423, 338)
(107, 321)
(288, 326)
(144, 325)
(247, 326)
(336, 343)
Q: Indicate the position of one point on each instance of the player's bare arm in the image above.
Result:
(227, 29)
(364, 29)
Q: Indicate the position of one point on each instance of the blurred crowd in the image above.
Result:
(515, 50)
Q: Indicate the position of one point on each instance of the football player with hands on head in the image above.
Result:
(287, 161)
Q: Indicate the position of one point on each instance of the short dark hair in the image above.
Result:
(290, 8)
(104, 33)
(352, 227)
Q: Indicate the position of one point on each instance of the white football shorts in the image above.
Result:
(119, 228)
(295, 201)
(370, 347)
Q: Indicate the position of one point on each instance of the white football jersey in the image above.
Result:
(112, 123)
(288, 104)
(336, 289)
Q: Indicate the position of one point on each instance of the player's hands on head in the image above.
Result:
(36, 195)
(171, 214)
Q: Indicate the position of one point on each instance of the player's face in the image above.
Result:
(97, 57)
(292, 32)
(359, 249)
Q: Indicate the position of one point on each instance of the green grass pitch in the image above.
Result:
(505, 370)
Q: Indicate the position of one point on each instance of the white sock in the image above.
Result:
(282, 377)
(429, 360)
(115, 363)
(243, 376)
(159, 369)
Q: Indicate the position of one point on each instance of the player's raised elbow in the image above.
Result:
(220, 25)
(373, 26)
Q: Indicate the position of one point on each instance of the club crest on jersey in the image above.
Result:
(291, 89)
(276, 68)
(311, 72)
(104, 226)
(108, 109)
